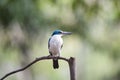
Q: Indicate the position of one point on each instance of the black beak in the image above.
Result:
(66, 33)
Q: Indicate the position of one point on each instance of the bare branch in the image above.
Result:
(72, 68)
(70, 61)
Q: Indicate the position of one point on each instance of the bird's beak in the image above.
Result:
(66, 33)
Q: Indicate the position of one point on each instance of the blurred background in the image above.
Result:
(26, 25)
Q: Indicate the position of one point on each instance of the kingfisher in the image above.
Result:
(55, 45)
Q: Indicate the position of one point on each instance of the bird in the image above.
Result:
(55, 44)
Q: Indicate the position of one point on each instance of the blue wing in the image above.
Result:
(49, 43)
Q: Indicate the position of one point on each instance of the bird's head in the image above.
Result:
(60, 32)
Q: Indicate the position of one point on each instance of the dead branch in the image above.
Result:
(70, 61)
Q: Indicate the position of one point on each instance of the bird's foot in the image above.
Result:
(49, 55)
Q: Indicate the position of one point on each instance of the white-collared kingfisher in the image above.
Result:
(55, 44)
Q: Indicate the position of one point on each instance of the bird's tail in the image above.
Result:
(55, 63)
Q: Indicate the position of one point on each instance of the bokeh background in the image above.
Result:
(26, 25)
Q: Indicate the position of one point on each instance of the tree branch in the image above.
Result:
(70, 61)
(72, 68)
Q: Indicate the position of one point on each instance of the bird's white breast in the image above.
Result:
(55, 45)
